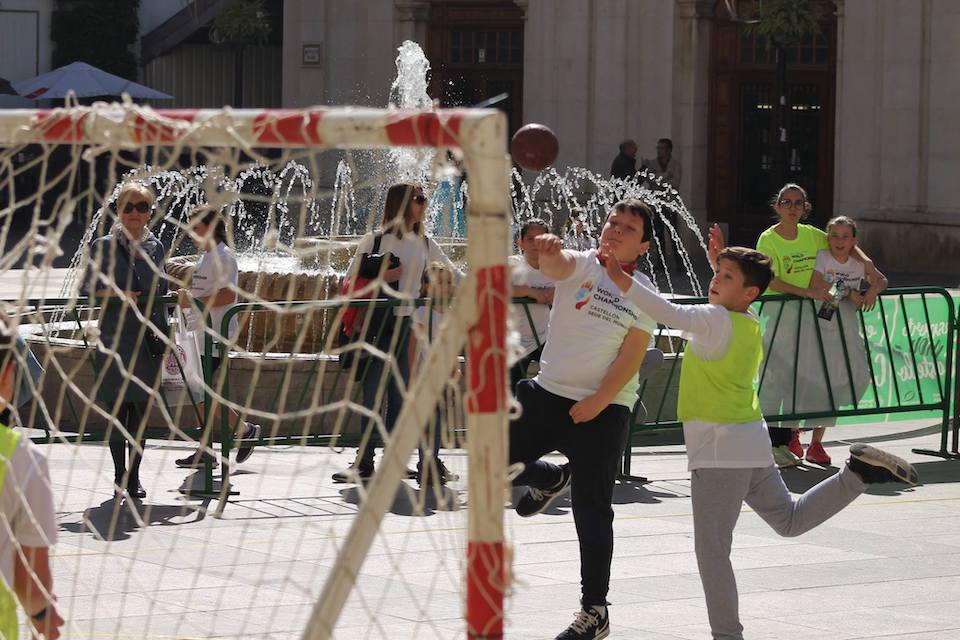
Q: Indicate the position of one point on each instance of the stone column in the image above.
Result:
(412, 21)
(692, 28)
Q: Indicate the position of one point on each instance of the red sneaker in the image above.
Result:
(817, 455)
(795, 447)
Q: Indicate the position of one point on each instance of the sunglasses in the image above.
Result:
(796, 204)
(141, 207)
(420, 199)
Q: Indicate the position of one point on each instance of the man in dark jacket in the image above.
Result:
(625, 164)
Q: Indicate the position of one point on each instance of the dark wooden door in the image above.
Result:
(742, 176)
(476, 52)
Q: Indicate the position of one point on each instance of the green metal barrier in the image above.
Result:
(908, 342)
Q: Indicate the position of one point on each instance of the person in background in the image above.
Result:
(665, 167)
(625, 164)
(528, 282)
(29, 525)
(214, 285)
(126, 277)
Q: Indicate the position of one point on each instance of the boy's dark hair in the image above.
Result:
(845, 221)
(626, 144)
(533, 222)
(666, 141)
(637, 208)
(755, 266)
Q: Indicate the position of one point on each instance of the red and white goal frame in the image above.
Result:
(477, 319)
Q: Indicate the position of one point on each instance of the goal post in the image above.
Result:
(476, 320)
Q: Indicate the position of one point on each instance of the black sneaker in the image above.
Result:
(195, 460)
(875, 466)
(591, 623)
(444, 475)
(356, 473)
(250, 433)
(536, 500)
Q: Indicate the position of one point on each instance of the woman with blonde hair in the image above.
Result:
(126, 277)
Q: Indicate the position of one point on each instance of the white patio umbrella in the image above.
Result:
(84, 80)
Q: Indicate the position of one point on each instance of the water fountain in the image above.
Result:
(294, 239)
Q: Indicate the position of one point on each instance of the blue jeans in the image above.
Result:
(378, 375)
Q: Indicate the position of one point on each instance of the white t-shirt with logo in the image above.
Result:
(216, 270)
(851, 271)
(588, 322)
(522, 274)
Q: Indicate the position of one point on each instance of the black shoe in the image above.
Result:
(250, 433)
(536, 500)
(444, 475)
(357, 473)
(875, 466)
(591, 623)
(195, 460)
(413, 474)
(136, 491)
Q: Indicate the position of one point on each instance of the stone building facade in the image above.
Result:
(874, 96)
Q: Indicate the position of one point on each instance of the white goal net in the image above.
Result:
(329, 305)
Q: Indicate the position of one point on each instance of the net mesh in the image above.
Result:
(111, 355)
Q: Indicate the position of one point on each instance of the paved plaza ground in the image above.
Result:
(886, 567)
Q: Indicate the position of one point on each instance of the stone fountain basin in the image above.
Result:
(270, 382)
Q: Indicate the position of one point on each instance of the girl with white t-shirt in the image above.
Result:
(837, 265)
(214, 286)
(401, 234)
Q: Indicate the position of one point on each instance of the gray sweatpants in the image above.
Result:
(718, 495)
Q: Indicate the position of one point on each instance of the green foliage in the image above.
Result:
(98, 32)
(784, 22)
(241, 22)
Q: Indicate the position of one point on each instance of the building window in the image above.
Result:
(494, 48)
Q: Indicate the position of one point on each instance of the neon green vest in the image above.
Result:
(722, 390)
(9, 626)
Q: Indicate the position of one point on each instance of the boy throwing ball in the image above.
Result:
(728, 447)
(580, 402)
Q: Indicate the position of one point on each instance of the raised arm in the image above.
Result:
(555, 263)
(693, 319)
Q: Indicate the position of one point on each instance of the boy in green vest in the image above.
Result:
(27, 524)
(728, 447)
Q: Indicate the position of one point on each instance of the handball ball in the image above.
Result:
(534, 147)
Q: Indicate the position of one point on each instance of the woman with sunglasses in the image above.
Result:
(792, 247)
(401, 234)
(125, 277)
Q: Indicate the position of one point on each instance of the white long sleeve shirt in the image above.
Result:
(708, 330)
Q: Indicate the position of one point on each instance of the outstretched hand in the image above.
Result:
(715, 244)
(614, 270)
(548, 244)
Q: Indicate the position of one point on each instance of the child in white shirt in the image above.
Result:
(728, 446)
(837, 265)
(529, 282)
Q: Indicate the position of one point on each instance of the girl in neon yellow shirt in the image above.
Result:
(792, 248)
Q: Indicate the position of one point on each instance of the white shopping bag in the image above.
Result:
(182, 371)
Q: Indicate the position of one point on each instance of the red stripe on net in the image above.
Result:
(488, 340)
(62, 127)
(288, 127)
(486, 583)
(162, 129)
(425, 129)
